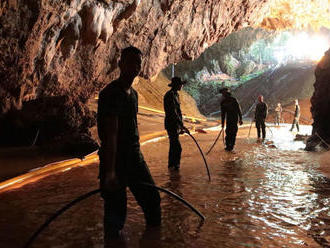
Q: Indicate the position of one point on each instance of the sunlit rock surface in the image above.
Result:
(298, 14)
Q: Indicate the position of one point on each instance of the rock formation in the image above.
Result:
(66, 51)
(321, 105)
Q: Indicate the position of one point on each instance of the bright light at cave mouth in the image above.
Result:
(302, 46)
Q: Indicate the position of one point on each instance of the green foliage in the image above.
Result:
(202, 91)
(245, 78)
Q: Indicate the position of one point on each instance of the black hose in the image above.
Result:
(199, 148)
(58, 213)
(89, 194)
(216, 140)
(176, 197)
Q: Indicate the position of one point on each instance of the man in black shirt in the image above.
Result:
(121, 161)
(260, 116)
(296, 116)
(173, 122)
(231, 112)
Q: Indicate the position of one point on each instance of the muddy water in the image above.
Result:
(258, 197)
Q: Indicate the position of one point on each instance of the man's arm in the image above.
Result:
(239, 113)
(266, 110)
(255, 112)
(223, 115)
(170, 110)
(109, 145)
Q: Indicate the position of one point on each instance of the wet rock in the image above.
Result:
(300, 137)
(321, 104)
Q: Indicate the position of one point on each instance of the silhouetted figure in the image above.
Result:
(278, 114)
(296, 116)
(173, 122)
(231, 112)
(260, 116)
(121, 161)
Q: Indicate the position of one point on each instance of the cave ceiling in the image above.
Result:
(51, 48)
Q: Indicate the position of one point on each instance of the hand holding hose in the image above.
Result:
(185, 130)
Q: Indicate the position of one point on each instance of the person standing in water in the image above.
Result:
(296, 116)
(231, 113)
(260, 117)
(121, 162)
(173, 122)
(278, 114)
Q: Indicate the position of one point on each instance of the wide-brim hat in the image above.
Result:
(176, 81)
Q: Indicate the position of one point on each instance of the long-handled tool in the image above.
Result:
(89, 194)
(216, 140)
(250, 129)
(199, 148)
(270, 130)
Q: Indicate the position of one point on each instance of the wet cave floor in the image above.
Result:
(267, 194)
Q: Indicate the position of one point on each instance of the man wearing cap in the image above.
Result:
(173, 122)
(260, 116)
(231, 112)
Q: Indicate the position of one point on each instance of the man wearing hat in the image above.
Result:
(173, 122)
(231, 112)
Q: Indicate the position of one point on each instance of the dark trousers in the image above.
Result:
(174, 154)
(260, 125)
(115, 203)
(277, 119)
(295, 122)
(231, 132)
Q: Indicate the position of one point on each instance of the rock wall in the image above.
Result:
(60, 48)
(57, 54)
(321, 105)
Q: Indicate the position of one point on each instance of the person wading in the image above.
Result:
(260, 117)
(278, 114)
(231, 112)
(296, 116)
(173, 122)
(121, 161)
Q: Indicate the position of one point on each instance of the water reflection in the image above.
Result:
(258, 197)
(284, 139)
